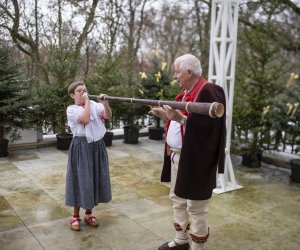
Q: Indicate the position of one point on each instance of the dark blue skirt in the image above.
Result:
(87, 178)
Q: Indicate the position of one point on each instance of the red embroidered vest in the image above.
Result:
(188, 97)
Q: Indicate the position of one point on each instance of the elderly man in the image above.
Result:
(195, 146)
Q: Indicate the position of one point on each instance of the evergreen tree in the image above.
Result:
(15, 100)
(259, 81)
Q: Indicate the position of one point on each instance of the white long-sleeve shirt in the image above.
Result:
(95, 129)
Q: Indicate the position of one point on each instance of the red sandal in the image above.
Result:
(75, 223)
(91, 220)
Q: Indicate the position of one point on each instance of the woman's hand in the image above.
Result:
(101, 99)
(107, 110)
(85, 97)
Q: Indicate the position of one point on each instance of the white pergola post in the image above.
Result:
(222, 59)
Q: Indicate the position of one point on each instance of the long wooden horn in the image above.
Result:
(213, 110)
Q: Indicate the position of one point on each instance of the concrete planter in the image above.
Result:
(156, 133)
(3, 148)
(131, 135)
(252, 159)
(295, 168)
(108, 137)
(63, 141)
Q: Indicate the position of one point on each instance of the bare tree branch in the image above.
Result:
(292, 5)
(85, 30)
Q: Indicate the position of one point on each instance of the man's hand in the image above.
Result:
(173, 114)
(159, 112)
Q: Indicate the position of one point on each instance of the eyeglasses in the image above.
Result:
(81, 91)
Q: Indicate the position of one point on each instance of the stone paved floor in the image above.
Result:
(263, 215)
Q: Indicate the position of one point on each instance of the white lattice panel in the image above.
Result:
(222, 59)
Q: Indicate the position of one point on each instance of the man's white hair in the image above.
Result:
(189, 62)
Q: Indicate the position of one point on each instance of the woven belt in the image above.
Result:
(175, 150)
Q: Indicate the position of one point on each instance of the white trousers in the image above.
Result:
(193, 212)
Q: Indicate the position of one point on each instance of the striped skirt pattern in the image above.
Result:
(87, 178)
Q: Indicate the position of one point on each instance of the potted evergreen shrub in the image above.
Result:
(53, 103)
(131, 115)
(107, 79)
(15, 101)
(155, 85)
(130, 118)
(258, 83)
(53, 98)
(64, 135)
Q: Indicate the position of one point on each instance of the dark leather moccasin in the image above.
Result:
(177, 247)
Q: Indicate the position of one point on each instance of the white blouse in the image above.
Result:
(95, 129)
(174, 137)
